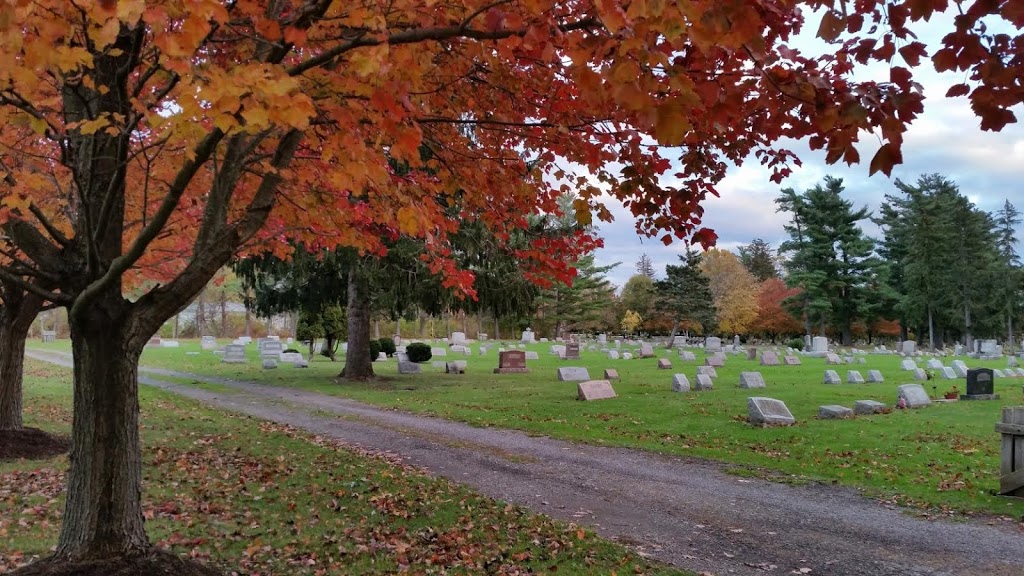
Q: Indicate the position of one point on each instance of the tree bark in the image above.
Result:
(103, 512)
(358, 364)
(201, 314)
(16, 319)
(223, 313)
(497, 328)
(931, 329)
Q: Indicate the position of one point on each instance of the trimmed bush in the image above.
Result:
(374, 349)
(387, 346)
(796, 343)
(418, 352)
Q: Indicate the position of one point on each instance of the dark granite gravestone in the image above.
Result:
(980, 385)
(511, 362)
(572, 351)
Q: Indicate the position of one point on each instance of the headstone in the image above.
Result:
(613, 354)
(709, 370)
(301, 363)
(169, 344)
(934, 364)
(792, 360)
(436, 352)
(868, 407)
(948, 373)
(980, 385)
(458, 349)
(875, 376)
(908, 347)
(908, 364)
(914, 395)
(920, 374)
(557, 350)
(664, 364)
(458, 339)
(527, 336)
(481, 336)
(862, 360)
(531, 354)
(572, 374)
(611, 374)
(594, 390)
(712, 344)
(381, 357)
(769, 358)
(687, 356)
(627, 355)
(680, 383)
(832, 359)
(1011, 361)
(751, 380)
(646, 351)
(832, 377)
(483, 350)
(234, 354)
(752, 354)
(572, 351)
(208, 342)
(154, 341)
(834, 411)
(998, 373)
(602, 338)
(406, 367)
(703, 382)
(456, 367)
(244, 340)
(271, 349)
(959, 368)
(768, 412)
(290, 357)
(715, 361)
(512, 362)
(854, 377)
(819, 344)
(269, 363)
(51, 336)
(1020, 371)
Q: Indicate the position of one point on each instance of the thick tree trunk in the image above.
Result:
(847, 334)
(358, 364)
(672, 337)
(103, 512)
(16, 319)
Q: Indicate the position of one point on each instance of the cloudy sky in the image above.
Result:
(987, 166)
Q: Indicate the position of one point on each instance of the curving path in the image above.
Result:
(685, 512)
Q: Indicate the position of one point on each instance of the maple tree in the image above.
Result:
(733, 289)
(197, 129)
(773, 315)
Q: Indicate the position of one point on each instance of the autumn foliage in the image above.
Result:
(773, 316)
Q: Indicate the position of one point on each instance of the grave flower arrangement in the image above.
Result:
(952, 393)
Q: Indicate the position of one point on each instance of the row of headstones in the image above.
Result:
(853, 377)
(772, 412)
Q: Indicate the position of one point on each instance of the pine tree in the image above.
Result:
(686, 292)
(645, 266)
(759, 259)
(581, 302)
(1008, 218)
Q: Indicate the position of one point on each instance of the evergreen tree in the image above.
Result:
(581, 302)
(832, 259)
(638, 295)
(686, 293)
(645, 266)
(1008, 218)
(759, 259)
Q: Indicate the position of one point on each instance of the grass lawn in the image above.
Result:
(944, 457)
(257, 498)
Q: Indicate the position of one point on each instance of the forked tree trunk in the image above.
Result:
(15, 321)
(103, 512)
(358, 364)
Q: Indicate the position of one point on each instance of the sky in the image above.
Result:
(946, 139)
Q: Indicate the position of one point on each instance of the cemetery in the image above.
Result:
(304, 288)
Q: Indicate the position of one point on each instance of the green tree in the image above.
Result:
(686, 293)
(638, 295)
(583, 301)
(1008, 218)
(759, 259)
(832, 259)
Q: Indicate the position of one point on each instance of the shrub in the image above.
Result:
(418, 352)
(796, 343)
(387, 346)
(374, 349)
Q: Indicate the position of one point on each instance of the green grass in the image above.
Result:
(254, 497)
(943, 457)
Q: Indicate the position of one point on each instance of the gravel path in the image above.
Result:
(685, 512)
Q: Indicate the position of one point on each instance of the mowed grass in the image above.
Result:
(944, 457)
(252, 497)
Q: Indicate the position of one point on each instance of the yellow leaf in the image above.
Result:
(408, 222)
(671, 124)
(93, 126)
(583, 215)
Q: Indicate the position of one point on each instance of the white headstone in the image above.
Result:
(712, 344)
(908, 347)
(832, 377)
(768, 412)
(751, 380)
(708, 370)
(435, 352)
(703, 382)
(680, 383)
(458, 339)
(594, 390)
(687, 356)
(532, 355)
(234, 354)
(868, 407)
(875, 376)
(527, 336)
(908, 364)
(613, 354)
(572, 374)
(834, 411)
(819, 344)
(914, 395)
(854, 377)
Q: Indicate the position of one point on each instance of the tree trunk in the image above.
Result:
(248, 322)
(176, 316)
(968, 336)
(358, 364)
(103, 512)
(423, 324)
(1009, 330)
(376, 329)
(12, 360)
(201, 314)
(672, 337)
(497, 330)
(223, 313)
(847, 334)
(931, 328)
